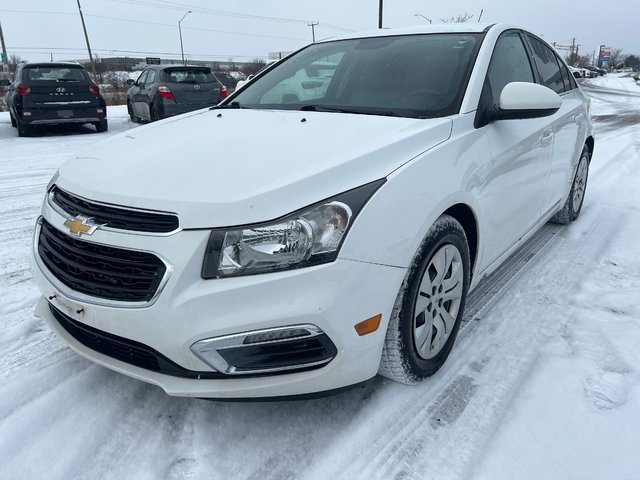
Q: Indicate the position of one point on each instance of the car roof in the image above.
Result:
(466, 27)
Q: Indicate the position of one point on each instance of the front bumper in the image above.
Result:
(334, 297)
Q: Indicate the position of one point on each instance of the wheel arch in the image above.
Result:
(465, 215)
(590, 143)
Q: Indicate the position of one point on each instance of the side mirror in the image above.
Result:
(520, 100)
(130, 81)
(4, 82)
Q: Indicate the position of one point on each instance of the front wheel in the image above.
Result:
(573, 206)
(132, 117)
(429, 306)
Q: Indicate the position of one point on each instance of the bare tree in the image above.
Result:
(253, 67)
(614, 57)
(461, 18)
(14, 60)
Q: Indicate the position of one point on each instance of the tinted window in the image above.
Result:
(509, 63)
(409, 75)
(567, 76)
(187, 75)
(61, 74)
(547, 65)
(143, 77)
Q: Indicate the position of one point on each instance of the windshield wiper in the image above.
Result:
(357, 111)
(227, 105)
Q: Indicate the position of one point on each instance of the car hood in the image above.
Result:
(219, 168)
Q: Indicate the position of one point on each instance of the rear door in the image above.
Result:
(141, 95)
(569, 123)
(192, 85)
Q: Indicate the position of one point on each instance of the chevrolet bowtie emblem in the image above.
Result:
(79, 225)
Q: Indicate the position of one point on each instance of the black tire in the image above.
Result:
(13, 121)
(573, 206)
(132, 117)
(153, 113)
(101, 126)
(24, 130)
(402, 360)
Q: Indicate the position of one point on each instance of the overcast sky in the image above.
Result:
(35, 29)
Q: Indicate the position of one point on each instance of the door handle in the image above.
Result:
(546, 135)
(577, 117)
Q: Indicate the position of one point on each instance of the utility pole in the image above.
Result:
(480, 16)
(5, 59)
(86, 37)
(380, 14)
(313, 30)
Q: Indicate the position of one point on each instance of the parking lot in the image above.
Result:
(544, 381)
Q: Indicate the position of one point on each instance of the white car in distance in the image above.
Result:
(344, 236)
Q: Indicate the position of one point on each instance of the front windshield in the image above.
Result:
(419, 76)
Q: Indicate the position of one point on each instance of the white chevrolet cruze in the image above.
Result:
(281, 245)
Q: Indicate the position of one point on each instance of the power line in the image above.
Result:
(31, 12)
(169, 5)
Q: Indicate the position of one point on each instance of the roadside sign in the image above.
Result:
(153, 61)
(4, 58)
(605, 55)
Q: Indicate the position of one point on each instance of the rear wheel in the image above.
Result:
(429, 306)
(572, 207)
(24, 130)
(132, 117)
(102, 126)
(153, 113)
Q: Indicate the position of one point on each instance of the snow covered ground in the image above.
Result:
(543, 383)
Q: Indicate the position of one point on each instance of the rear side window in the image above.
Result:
(187, 75)
(54, 74)
(547, 64)
(509, 63)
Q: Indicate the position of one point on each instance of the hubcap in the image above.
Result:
(438, 302)
(580, 184)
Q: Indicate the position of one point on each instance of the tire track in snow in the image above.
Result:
(478, 381)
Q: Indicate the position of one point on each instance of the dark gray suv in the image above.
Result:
(53, 93)
(163, 91)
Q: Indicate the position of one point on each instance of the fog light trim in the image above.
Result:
(302, 347)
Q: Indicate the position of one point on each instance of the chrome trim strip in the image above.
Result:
(66, 214)
(84, 298)
(208, 352)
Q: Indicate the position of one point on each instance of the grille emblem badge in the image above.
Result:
(79, 225)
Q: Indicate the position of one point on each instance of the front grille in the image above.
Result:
(99, 270)
(125, 350)
(114, 216)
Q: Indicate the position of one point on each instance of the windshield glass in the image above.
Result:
(420, 76)
(59, 74)
(187, 75)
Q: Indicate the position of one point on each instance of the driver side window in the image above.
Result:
(509, 63)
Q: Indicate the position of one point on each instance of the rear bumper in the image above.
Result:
(167, 110)
(62, 115)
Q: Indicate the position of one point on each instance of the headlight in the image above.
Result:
(310, 236)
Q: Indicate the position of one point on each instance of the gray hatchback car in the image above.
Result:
(163, 91)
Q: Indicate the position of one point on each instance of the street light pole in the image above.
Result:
(380, 5)
(420, 15)
(180, 31)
